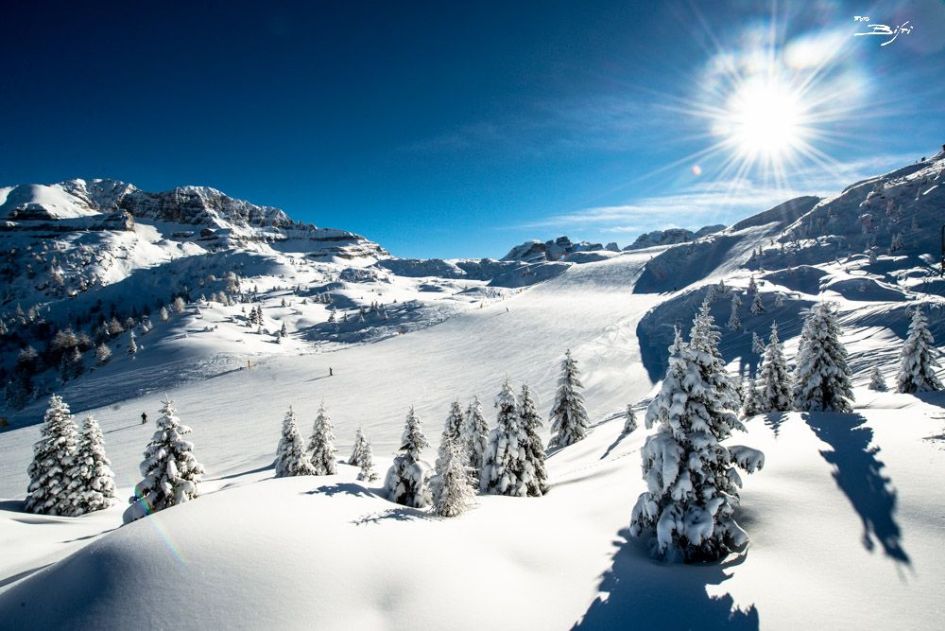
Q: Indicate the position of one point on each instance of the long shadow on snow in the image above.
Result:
(774, 420)
(649, 594)
(859, 474)
(403, 513)
(932, 398)
(347, 488)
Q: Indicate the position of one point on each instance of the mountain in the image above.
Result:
(671, 236)
(558, 249)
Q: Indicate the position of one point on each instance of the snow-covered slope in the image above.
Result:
(845, 519)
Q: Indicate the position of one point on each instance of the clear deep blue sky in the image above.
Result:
(447, 130)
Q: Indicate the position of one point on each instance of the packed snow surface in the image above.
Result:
(845, 519)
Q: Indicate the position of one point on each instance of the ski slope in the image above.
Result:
(846, 518)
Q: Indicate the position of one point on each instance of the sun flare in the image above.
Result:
(765, 120)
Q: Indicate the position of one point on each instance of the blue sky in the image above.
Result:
(447, 130)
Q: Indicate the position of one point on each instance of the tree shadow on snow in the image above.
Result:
(17, 506)
(648, 594)
(774, 420)
(346, 488)
(403, 513)
(932, 398)
(239, 474)
(859, 474)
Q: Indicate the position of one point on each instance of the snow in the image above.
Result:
(844, 517)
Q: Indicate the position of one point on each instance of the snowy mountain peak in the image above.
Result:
(553, 250)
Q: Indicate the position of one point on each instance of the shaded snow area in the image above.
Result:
(261, 313)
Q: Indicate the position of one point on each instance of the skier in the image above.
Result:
(330, 371)
(144, 418)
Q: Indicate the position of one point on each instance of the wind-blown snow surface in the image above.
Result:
(846, 518)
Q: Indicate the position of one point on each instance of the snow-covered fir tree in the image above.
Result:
(752, 284)
(630, 420)
(366, 472)
(774, 394)
(757, 306)
(102, 354)
(536, 477)
(165, 315)
(291, 457)
(452, 433)
(475, 437)
(569, 420)
(321, 447)
(750, 398)
(408, 479)
(358, 448)
(452, 489)
(503, 466)
(735, 322)
(779, 300)
(53, 457)
(917, 364)
(93, 482)
(171, 472)
(132, 344)
(822, 376)
(692, 485)
(757, 344)
(877, 382)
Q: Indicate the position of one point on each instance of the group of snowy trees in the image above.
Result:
(293, 457)
(70, 473)
(822, 378)
(508, 460)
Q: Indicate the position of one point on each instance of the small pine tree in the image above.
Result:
(93, 482)
(503, 463)
(536, 478)
(775, 394)
(366, 464)
(569, 422)
(750, 399)
(452, 433)
(877, 382)
(171, 472)
(757, 344)
(734, 322)
(630, 424)
(452, 490)
(822, 377)
(475, 437)
(752, 285)
(757, 306)
(408, 478)
(358, 449)
(132, 345)
(53, 458)
(779, 301)
(917, 364)
(165, 316)
(291, 457)
(102, 354)
(321, 447)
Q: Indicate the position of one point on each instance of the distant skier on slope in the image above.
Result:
(144, 418)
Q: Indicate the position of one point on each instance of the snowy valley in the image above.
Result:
(117, 299)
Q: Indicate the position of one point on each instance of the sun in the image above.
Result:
(764, 120)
